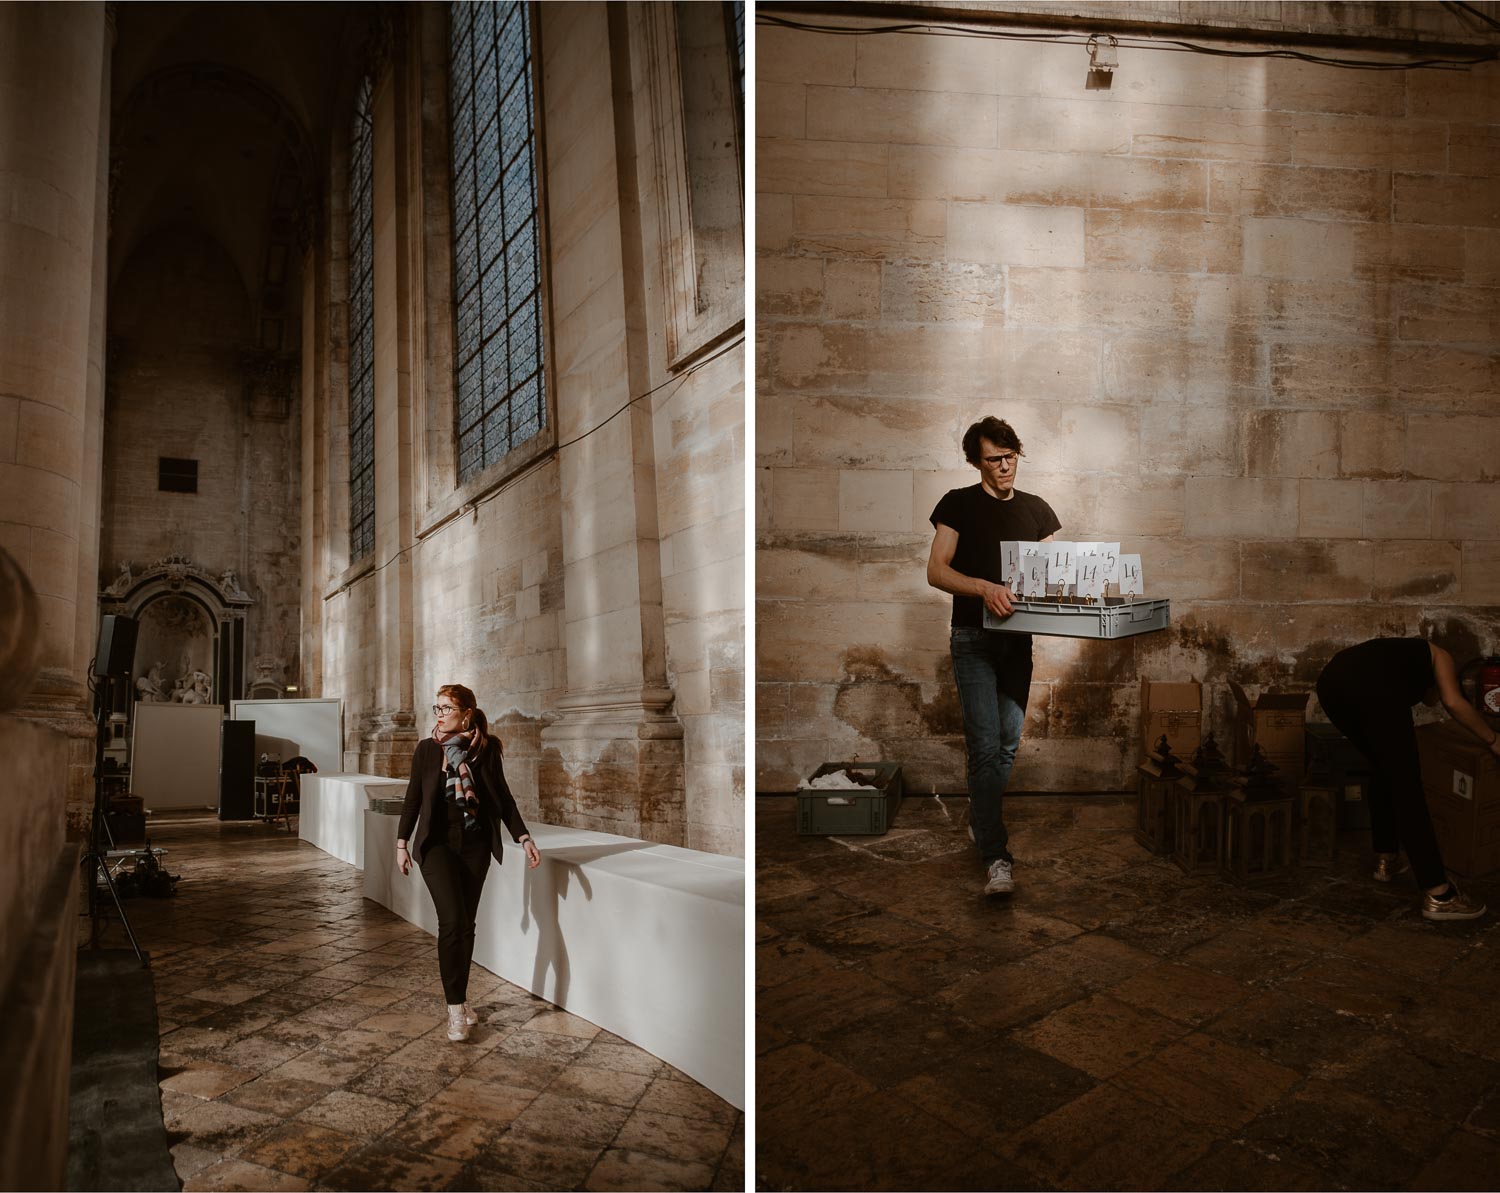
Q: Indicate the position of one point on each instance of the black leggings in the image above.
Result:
(454, 872)
(1380, 727)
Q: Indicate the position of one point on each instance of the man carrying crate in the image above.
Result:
(992, 668)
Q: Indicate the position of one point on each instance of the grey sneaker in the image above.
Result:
(1000, 883)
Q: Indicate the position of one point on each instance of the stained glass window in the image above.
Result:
(497, 294)
(361, 330)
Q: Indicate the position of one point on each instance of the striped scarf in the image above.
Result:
(460, 784)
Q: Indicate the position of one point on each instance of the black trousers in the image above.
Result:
(454, 872)
(1380, 727)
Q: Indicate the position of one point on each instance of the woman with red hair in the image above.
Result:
(456, 801)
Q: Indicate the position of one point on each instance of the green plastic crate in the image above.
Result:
(851, 813)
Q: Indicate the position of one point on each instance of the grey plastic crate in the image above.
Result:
(852, 813)
(1140, 615)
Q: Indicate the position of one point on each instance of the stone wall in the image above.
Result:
(591, 594)
(183, 383)
(1242, 313)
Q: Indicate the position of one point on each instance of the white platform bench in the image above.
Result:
(646, 941)
(333, 808)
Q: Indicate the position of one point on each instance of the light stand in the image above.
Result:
(96, 861)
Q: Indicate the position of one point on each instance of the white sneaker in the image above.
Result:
(1000, 883)
(469, 1017)
(458, 1024)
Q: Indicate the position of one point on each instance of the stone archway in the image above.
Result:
(193, 617)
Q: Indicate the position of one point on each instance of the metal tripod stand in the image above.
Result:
(95, 862)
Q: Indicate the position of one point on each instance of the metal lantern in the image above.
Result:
(1158, 777)
(1198, 810)
(1257, 845)
(1317, 823)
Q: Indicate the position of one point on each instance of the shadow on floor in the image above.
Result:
(1114, 1024)
(116, 1137)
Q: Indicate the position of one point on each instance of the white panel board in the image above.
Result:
(313, 728)
(174, 755)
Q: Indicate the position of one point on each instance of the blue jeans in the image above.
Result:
(993, 673)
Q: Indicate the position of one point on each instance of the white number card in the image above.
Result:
(1130, 576)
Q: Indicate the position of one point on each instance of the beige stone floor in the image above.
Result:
(1114, 1024)
(303, 1045)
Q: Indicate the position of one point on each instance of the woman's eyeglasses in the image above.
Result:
(442, 710)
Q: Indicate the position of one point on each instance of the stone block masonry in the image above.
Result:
(1242, 313)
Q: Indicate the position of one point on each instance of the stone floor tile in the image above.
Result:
(1100, 1035)
(575, 1120)
(487, 1100)
(477, 1176)
(523, 1072)
(1460, 1165)
(241, 1175)
(280, 1096)
(354, 1114)
(399, 1083)
(799, 1082)
(437, 1132)
(1185, 993)
(897, 1147)
(207, 1081)
(550, 1163)
(579, 1080)
(686, 1099)
(730, 1175)
(1102, 1141)
(563, 1024)
(1415, 1071)
(219, 1126)
(1249, 957)
(1368, 1144)
(384, 1166)
(400, 1025)
(621, 1169)
(189, 1160)
(1232, 1165)
(260, 1053)
(301, 1148)
(669, 1135)
(1348, 987)
(322, 1067)
(1207, 1081)
(1286, 1029)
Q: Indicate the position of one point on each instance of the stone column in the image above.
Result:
(390, 732)
(613, 758)
(53, 140)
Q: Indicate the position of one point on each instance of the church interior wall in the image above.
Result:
(1240, 313)
(484, 564)
(181, 387)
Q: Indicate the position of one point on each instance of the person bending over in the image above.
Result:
(991, 668)
(1368, 692)
(456, 801)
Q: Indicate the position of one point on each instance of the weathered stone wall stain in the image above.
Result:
(1242, 314)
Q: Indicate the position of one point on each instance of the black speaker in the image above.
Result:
(116, 654)
(237, 771)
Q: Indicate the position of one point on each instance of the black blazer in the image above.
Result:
(428, 785)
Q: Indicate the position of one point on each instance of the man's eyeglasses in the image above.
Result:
(1004, 459)
(442, 710)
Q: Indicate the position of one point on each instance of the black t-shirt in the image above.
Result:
(983, 523)
(1401, 667)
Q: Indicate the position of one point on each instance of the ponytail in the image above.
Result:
(478, 722)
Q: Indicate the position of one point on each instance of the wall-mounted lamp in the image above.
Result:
(1104, 57)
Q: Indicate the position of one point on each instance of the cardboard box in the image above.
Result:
(1277, 723)
(1175, 709)
(1461, 780)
